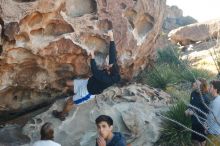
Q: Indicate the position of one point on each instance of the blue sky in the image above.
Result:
(201, 10)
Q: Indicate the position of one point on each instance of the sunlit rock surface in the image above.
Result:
(190, 34)
(173, 18)
(200, 42)
(46, 41)
(133, 109)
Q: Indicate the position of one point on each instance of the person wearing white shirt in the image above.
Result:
(47, 135)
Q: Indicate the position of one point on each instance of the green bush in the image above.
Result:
(170, 69)
(171, 133)
(179, 92)
(169, 55)
(159, 76)
(190, 74)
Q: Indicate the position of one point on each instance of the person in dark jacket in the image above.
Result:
(86, 89)
(106, 137)
(198, 99)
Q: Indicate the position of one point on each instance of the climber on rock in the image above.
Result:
(86, 89)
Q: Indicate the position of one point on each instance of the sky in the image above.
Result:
(201, 10)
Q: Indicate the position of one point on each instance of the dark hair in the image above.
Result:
(216, 85)
(104, 118)
(46, 131)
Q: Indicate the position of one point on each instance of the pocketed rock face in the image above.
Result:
(45, 42)
(133, 109)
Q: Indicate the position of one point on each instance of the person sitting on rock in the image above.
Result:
(86, 89)
(47, 135)
(106, 137)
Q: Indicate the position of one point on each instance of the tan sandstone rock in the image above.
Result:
(0, 33)
(133, 109)
(173, 18)
(196, 32)
(47, 41)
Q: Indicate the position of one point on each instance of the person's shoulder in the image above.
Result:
(206, 97)
(46, 143)
(217, 100)
(39, 143)
(53, 143)
(56, 144)
(120, 140)
(120, 143)
(218, 97)
(194, 93)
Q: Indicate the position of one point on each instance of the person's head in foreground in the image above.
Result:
(106, 137)
(214, 88)
(200, 85)
(196, 85)
(104, 125)
(47, 131)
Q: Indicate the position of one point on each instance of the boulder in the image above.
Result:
(173, 18)
(193, 33)
(133, 109)
(48, 41)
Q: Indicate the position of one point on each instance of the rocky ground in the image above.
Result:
(133, 109)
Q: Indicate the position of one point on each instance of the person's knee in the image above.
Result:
(69, 83)
(69, 101)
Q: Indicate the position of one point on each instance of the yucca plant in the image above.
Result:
(160, 76)
(169, 55)
(170, 69)
(179, 92)
(173, 134)
(190, 74)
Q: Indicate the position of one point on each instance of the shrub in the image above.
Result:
(169, 56)
(170, 69)
(179, 92)
(171, 133)
(190, 74)
(159, 76)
